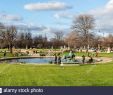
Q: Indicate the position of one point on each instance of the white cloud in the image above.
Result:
(26, 26)
(31, 27)
(49, 31)
(104, 17)
(10, 17)
(47, 6)
(63, 15)
(109, 5)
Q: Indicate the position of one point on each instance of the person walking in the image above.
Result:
(5, 54)
(59, 59)
(55, 59)
(83, 59)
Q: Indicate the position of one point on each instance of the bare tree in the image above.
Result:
(108, 42)
(8, 35)
(2, 28)
(28, 40)
(57, 41)
(72, 39)
(20, 42)
(58, 35)
(84, 24)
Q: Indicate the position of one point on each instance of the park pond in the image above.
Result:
(37, 60)
(41, 60)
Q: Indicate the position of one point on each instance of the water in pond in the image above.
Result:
(41, 60)
(31, 60)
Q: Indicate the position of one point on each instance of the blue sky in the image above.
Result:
(53, 17)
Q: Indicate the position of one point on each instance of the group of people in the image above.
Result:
(89, 61)
(58, 58)
(71, 56)
(90, 55)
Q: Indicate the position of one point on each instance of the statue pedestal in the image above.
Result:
(108, 50)
(61, 64)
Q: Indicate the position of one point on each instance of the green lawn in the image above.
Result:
(7, 54)
(54, 75)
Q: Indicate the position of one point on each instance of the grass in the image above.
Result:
(106, 54)
(7, 54)
(54, 75)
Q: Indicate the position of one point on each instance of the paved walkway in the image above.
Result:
(104, 59)
(100, 59)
